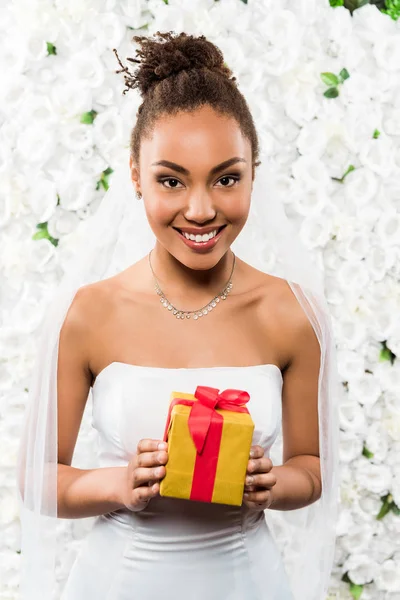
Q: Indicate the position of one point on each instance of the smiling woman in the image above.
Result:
(271, 340)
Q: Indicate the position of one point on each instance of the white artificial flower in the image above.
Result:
(351, 364)
(311, 173)
(107, 30)
(378, 155)
(70, 99)
(85, 69)
(358, 538)
(373, 478)
(351, 417)
(109, 130)
(377, 441)
(388, 577)
(76, 137)
(365, 389)
(41, 257)
(360, 186)
(315, 231)
(301, 103)
(351, 445)
(353, 276)
(391, 416)
(387, 52)
(379, 260)
(361, 569)
(36, 144)
(388, 227)
(42, 198)
(62, 222)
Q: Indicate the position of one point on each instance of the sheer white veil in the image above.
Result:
(116, 236)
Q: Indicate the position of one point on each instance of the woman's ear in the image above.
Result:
(134, 174)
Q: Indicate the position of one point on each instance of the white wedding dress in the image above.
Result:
(177, 549)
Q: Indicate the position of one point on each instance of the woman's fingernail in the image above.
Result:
(249, 480)
(252, 453)
(162, 446)
(158, 472)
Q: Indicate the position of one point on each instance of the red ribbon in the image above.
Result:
(205, 426)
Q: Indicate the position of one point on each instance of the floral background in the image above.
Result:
(322, 78)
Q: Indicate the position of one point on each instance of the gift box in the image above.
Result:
(209, 435)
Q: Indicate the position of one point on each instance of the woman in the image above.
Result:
(193, 160)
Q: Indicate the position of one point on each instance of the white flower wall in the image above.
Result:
(335, 143)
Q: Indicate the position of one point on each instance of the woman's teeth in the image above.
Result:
(200, 238)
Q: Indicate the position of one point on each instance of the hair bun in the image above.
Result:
(168, 55)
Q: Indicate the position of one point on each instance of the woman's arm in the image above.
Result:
(298, 478)
(80, 492)
(297, 482)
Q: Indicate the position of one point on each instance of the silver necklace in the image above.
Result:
(204, 310)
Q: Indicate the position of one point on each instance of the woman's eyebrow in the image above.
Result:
(213, 171)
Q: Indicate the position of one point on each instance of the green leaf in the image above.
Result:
(349, 170)
(356, 590)
(51, 49)
(376, 134)
(353, 4)
(385, 508)
(335, 3)
(44, 234)
(88, 117)
(367, 453)
(329, 78)
(395, 509)
(103, 181)
(39, 235)
(386, 354)
(165, 1)
(332, 92)
(344, 74)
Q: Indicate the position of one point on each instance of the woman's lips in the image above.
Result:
(199, 246)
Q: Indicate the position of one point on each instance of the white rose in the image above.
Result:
(12, 60)
(360, 186)
(358, 538)
(311, 173)
(388, 577)
(369, 23)
(42, 257)
(109, 130)
(107, 30)
(368, 505)
(36, 144)
(85, 69)
(71, 99)
(76, 137)
(391, 417)
(350, 364)
(387, 52)
(353, 276)
(380, 260)
(351, 417)
(42, 198)
(388, 227)
(13, 91)
(365, 389)
(351, 446)
(378, 155)
(361, 569)
(377, 441)
(131, 11)
(374, 478)
(315, 231)
(62, 222)
(302, 103)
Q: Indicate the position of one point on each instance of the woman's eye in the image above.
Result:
(163, 180)
(226, 177)
(174, 182)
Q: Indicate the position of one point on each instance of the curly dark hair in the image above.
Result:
(181, 73)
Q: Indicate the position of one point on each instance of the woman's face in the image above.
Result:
(193, 190)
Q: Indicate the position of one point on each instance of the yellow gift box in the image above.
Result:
(209, 437)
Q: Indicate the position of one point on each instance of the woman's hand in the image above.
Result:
(143, 474)
(258, 491)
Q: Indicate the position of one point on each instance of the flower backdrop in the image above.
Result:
(322, 78)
